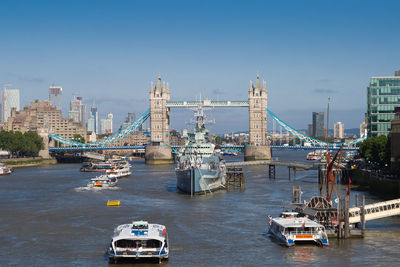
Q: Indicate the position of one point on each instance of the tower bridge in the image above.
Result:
(159, 150)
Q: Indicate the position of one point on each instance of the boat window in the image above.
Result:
(126, 243)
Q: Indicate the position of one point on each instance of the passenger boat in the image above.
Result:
(139, 240)
(119, 172)
(315, 155)
(4, 170)
(103, 166)
(103, 181)
(289, 229)
(200, 166)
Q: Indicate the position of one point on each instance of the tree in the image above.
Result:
(78, 138)
(218, 140)
(376, 150)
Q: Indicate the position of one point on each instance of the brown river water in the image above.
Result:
(48, 218)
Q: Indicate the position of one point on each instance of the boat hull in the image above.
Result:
(203, 180)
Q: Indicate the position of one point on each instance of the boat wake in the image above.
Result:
(86, 188)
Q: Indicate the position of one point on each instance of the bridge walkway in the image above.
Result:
(375, 211)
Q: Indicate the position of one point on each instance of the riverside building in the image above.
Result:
(383, 96)
(43, 115)
(55, 96)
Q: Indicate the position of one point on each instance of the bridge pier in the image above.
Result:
(260, 152)
(156, 154)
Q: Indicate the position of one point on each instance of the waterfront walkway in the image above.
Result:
(290, 164)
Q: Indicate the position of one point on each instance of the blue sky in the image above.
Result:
(110, 51)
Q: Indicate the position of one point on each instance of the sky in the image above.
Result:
(108, 52)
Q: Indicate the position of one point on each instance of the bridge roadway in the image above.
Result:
(141, 148)
(290, 164)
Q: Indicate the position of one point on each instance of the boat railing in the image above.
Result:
(302, 232)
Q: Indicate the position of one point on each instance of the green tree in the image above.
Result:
(218, 140)
(376, 150)
(78, 138)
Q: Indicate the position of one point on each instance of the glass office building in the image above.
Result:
(383, 96)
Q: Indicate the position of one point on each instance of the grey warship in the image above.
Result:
(200, 166)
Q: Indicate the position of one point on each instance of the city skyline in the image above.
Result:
(108, 51)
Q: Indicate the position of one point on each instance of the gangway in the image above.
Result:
(375, 211)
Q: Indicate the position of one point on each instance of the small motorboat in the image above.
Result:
(4, 169)
(103, 181)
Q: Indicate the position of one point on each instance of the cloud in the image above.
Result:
(324, 91)
(27, 78)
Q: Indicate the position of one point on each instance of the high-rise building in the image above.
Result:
(107, 124)
(128, 120)
(383, 96)
(318, 124)
(310, 130)
(94, 117)
(55, 96)
(78, 111)
(338, 130)
(9, 100)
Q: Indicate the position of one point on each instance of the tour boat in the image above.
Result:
(103, 165)
(119, 172)
(139, 240)
(289, 229)
(315, 155)
(4, 170)
(103, 181)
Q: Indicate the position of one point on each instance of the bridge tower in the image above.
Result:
(258, 147)
(159, 151)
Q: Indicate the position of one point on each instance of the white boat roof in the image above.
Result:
(137, 230)
(296, 222)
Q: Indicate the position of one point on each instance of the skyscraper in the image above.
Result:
(55, 96)
(128, 120)
(78, 111)
(9, 100)
(107, 124)
(383, 96)
(318, 124)
(94, 114)
(338, 130)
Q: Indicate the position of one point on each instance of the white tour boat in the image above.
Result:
(103, 181)
(139, 240)
(4, 170)
(290, 229)
(119, 172)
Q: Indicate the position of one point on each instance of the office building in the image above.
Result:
(128, 120)
(43, 115)
(310, 130)
(383, 96)
(395, 141)
(107, 124)
(78, 111)
(338, 130)
(55, 96)
(93, 120)
(318, 124)
(9, 100)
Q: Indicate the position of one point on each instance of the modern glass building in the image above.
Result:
(383, 96)
(9, 100)
(318, 124)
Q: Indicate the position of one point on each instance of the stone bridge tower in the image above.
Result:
(258, 147)
(159, 151)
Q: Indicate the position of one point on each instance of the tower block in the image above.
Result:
(258, 147)
(159, 151)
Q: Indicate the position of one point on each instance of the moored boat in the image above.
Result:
(139, 240)
(290, 229)
(4, 169)
(200, 166)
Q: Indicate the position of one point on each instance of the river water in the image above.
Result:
(47, 218)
